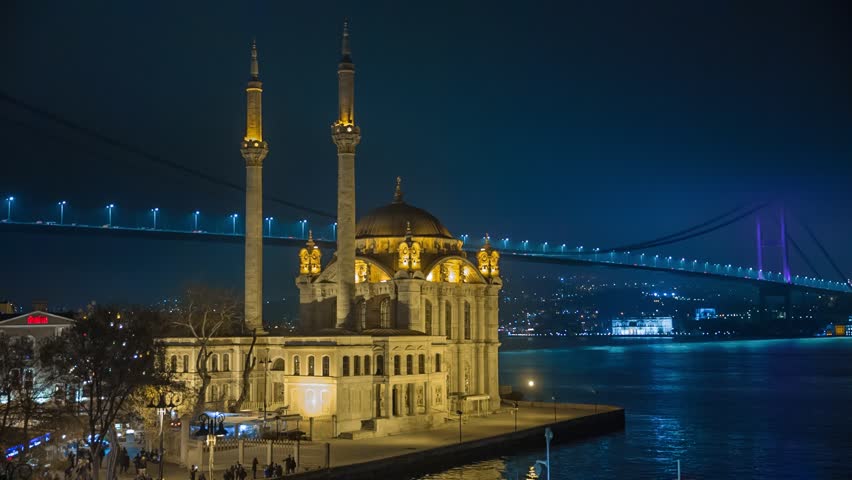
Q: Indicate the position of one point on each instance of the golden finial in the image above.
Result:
(408, 233)
(311, 243)
(487, 241)
(397, 195)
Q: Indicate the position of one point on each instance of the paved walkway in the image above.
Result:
(348, 452)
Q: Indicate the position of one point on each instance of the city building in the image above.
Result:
(36, 324)
(642, 326)
(397, 330)
(705, 313)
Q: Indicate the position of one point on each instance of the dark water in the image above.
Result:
(763, 409)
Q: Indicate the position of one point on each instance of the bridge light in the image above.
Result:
(196, 219)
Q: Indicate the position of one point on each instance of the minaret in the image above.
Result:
(346, 136)
(254, 150)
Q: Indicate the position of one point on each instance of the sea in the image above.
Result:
(741, 409)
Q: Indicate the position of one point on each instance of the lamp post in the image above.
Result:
(195, 215)
(109, 214)
(9, 201)
(303, 222)
(515, 411)
(553, 398)
(265, 363)
(548, 436)
(61, 212)
(211, 427)
(459, 413)
(234, 223)
(334, 231)
(161, 407)
(269, 226)
(154, 211)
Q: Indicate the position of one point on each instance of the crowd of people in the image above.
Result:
(239, 472)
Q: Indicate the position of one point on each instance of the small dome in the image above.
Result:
(392, 221)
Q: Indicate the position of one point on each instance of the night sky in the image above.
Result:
(589, 123)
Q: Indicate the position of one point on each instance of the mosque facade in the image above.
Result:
(398, 328)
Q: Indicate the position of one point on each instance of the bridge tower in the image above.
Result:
(254, 151)
(346, 136)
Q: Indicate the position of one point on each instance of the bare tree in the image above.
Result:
(248, 367)
(205, 314)
(110, 355)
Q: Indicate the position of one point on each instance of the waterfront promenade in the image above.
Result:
(481, 437)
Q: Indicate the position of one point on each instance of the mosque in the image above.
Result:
(398, 327)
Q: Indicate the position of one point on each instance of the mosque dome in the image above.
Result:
(392, 220)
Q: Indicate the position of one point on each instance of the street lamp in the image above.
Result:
(269, 226)
(459, 413)
(109, 213)
(211, 427)
(525, 244)
(553, 398)
(544, 247)
(61, 212)
(548, 436)
(334, 230)
(505, 243)
(9, 201)
(154, 211)
(515, 411)
(195, 215)
(162, 408)
(234, 223)
(303, 222)
(265, 362)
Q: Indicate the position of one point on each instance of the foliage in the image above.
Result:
(111, 355)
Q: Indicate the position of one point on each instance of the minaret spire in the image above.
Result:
(345, 49)
(346, 136)
(397, 194)
(254, 151)
(255, 72)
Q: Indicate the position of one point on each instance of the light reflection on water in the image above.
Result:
(766, 409)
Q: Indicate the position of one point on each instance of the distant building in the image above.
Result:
(36, 324)
(705, 313)
(6, 307)
(642, 326)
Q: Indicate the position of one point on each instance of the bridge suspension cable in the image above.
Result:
(681, 238)
(825, 253)
(147, 155)
(804, 257)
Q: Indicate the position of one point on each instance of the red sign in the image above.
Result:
(36, 320)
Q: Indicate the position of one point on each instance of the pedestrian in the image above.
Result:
(254, 468)
(293, 464)
(192, 471)
(202, 477)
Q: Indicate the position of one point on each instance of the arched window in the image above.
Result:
(278, 365)
(437, 362)
(346, 366)
(385, 313)
(409, 364)
(186, 363)
(226, 363)
(297, 365)
(362, 314)
(226, 392)
(396, 370)
(380, 364)
(311, 366)
(449, 320)
(214, 363)
(214, 393)
(173, 363)
(427, 314)
(356, 365)
(421, 364)
(325, 371)
(367, 370)
(466, 321)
